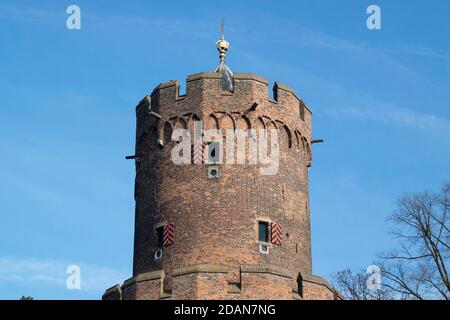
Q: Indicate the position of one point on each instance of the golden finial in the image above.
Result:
(227, 76)
(222, 45)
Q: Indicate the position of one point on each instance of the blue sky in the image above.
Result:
(380, 99)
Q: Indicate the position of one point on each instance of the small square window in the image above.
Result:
(263, 231)
(213, 172)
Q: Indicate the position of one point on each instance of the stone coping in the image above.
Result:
(114, 289)
(216, 268)
(236, 76)
(278, 271)
(212, 75)
(146, 276)
(200, 268)
(321, 281)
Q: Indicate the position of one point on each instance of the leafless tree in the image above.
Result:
(353, 286)
(418, 269)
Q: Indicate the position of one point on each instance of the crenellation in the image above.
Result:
(204, 96)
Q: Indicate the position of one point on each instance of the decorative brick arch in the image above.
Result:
(259, 123)
(190, 119)
(287, 132)
(226, 121)
(166, 133)
(180, 123)
(243, 122)
(298, 140)
(212, 122)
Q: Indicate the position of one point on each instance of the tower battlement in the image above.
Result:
(207, 101)
(246, 85)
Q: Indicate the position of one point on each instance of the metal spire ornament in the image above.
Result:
(227, 76)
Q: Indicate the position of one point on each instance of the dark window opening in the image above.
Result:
(213, 152)
(302, 111)
(160, 236)
(263, 228)
(300, 285)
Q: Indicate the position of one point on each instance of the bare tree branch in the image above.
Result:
(419, 268)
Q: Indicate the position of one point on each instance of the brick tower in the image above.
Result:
(213, 229)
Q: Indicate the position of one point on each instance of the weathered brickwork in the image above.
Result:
(215, 252)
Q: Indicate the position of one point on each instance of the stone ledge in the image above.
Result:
(113, 290)
(145, 102)
(321, 281)
(278, 271)
(168, 84)
(146, 276)
(236, 76)
(204, 75)
(250, 76)
(200, 268)
(165, 296)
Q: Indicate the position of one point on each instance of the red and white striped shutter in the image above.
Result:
(204, 152)
(168, 234)
(199, 153)
(275, 234)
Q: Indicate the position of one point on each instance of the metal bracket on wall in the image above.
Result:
(132, 158)
(157, 115)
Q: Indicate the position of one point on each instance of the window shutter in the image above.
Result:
(198, 152)
(169, 233)
(275, 234)
(204, 152)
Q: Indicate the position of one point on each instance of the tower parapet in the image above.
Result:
(204, 96)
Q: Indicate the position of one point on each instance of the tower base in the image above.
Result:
(216, 282)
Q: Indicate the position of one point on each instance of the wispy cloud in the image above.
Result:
(416, 50)
(396, 116)
(111, 21)
(50, 272)
(28, 14)
(300, 35)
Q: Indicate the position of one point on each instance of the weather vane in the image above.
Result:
(222, 46)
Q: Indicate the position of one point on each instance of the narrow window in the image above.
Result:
(302, 111)
(160, 236)
(213, 152)
(300, 285)
(263, 228)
